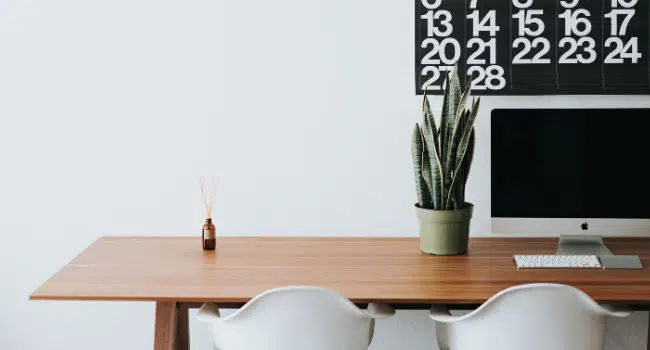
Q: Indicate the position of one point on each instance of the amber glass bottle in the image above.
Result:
(209, 235)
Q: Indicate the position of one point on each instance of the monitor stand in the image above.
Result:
(581, 245)
(593, 245)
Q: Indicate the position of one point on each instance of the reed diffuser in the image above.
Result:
(208, 232)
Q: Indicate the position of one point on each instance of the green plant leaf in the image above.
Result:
(462, 148)
(444, 120)
(429, 135)
(427, 114)
(449, 156)
(469, 156)
(457, 195)
(467, 132)
(467, 162)
(419, 159)
(450, 101)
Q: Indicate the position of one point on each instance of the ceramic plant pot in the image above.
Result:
(444, 232)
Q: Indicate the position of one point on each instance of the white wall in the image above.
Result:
(111, 109)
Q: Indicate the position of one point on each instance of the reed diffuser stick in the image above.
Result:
(208, 204)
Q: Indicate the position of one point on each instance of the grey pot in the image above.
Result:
(444, 232)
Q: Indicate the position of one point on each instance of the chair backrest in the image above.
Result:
(295, 318)
(532, 317)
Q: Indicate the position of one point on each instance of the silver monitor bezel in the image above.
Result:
(553, 227)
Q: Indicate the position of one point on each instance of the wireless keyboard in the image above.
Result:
(557, 262)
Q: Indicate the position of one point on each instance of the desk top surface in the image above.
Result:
(390, 270)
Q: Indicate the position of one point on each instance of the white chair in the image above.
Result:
(532, 317)
(295, 318)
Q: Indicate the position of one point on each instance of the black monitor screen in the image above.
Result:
(570, 163)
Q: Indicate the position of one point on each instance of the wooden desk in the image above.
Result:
(176, 274)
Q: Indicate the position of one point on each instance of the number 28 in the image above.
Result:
(489, 78)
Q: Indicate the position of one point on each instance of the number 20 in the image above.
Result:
(440, 48)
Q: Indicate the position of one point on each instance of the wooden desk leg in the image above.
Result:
(165, 326)
(182, 327)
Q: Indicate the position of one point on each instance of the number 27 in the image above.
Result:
(430, 84)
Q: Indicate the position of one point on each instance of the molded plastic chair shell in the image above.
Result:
(538, 316)
(295, 318)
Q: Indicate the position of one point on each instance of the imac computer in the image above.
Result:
(579, 174)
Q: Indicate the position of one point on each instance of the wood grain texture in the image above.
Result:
(390, 270)
(164, 332)
(182, 327)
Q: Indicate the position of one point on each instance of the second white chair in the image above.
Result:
(295, 318)
(533, 317)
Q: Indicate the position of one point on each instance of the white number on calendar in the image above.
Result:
(571, 22)
(623, 3)
(444, 18)
(527, 46)
(518, 4)
(430, 84)
(492, 76)
(587, 44)
(527, 22)
(622, 51)
(613, 16)
(569, 5)
(480, 48)
(487, 24)
(431, 6)
(441, 49)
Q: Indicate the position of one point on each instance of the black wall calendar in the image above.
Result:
(534, 47)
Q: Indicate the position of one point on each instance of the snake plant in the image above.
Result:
(442, 156)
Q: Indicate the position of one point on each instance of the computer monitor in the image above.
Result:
(570, 172)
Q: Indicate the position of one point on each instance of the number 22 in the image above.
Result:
(546, 46)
